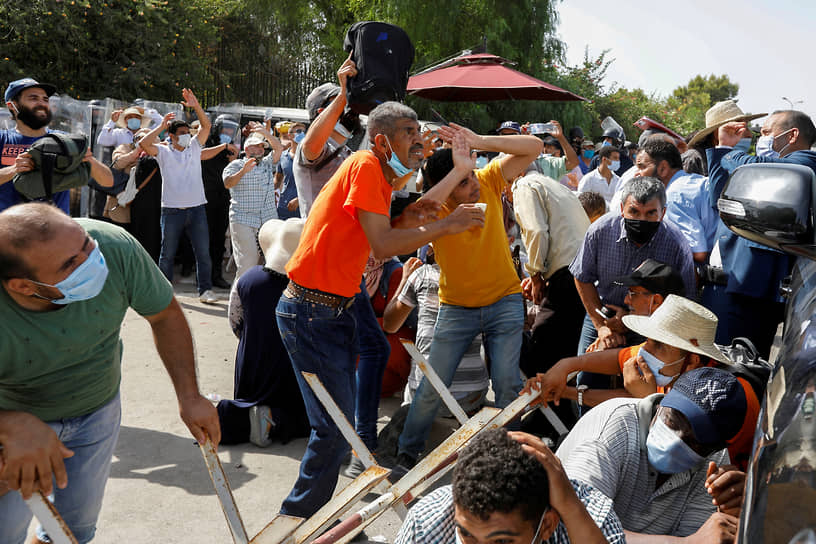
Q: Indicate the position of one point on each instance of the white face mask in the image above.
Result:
(184, 140)
(614, 165)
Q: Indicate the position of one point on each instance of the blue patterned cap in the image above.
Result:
(712, 400)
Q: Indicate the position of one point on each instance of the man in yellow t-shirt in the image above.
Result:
(479, 291)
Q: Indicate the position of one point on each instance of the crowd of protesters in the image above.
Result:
(598, 276)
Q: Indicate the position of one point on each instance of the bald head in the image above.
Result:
(785, 120)
(22, 228)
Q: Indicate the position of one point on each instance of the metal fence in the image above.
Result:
(269, 81)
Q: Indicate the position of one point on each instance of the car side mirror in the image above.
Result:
(772, 204)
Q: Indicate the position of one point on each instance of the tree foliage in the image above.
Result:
(116, 48)
(272, 53)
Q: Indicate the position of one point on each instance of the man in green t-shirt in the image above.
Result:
(66, 285)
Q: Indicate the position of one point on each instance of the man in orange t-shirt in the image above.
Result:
(479, 290)
(348, 220)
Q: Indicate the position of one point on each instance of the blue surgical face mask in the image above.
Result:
(299, 135)
(667, 452)
(342, 131)
(589, 153)
(655, 365)
(614, 165)
(134, 123)
(85, 282)
(396, 165)
(225, 138)
(764, 146)
(184, 140)
(481, 162)
(606, 144)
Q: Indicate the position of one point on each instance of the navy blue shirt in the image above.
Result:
(289, 189)
(607, 254)
(12, 143)
(753, 269)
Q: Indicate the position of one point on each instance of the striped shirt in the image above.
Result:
(252, 199)
(607, 254)
(607, 450)
(422, 290)
(431, 520)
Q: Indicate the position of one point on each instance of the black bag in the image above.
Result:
(383, 54)
(58, 166)
(747, 364)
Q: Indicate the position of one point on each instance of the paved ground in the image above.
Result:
(159, 489)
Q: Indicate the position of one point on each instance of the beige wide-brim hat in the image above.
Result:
(254, 139)
(133, 110)
(719, 114)
(278, 240)
(676, 323)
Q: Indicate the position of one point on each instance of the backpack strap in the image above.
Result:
(48, 161)
(646, 408)
(148, 178)
(328, 159)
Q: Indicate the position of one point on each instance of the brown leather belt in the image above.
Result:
(293, 290)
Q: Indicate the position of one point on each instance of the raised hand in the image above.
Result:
(347, 69)
(190, 100)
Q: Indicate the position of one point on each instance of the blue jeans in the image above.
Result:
(174, 221)
(322, 341)
(374, 353)
(501, 323)
(588, 335)
(92, 438)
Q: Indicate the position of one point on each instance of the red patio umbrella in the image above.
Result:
(481, 77)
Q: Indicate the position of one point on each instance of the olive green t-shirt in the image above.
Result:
(67, 362)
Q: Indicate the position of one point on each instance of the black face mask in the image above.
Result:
(640, 231)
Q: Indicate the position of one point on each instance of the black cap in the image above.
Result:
(656, 277)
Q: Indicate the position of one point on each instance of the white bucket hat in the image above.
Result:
(680, 323)
(278, 240)
(719, 114)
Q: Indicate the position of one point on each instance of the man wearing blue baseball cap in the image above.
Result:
(662, 459)
(509, 128)
(27, 100)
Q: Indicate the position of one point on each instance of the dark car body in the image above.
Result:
(773, 205)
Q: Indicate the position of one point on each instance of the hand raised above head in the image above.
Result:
(347, 69)
(190, 100)
(463, 160)
(448, 132)
(730, 134)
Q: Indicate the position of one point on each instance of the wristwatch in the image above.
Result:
(581, 390)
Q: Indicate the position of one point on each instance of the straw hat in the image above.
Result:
(719, 114)
(278, 240)
(133, 110)
(676, 323)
